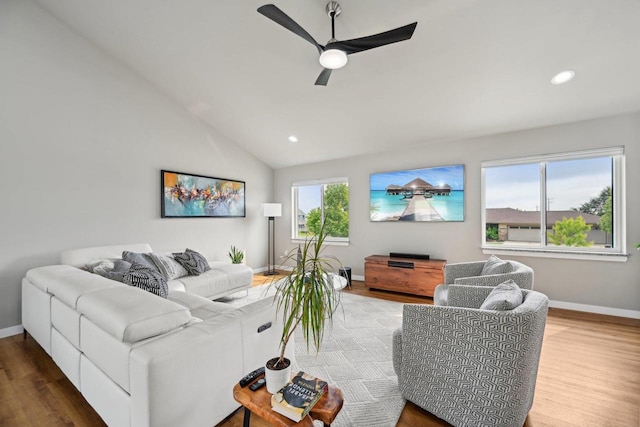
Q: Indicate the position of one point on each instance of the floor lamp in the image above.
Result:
(271, 211)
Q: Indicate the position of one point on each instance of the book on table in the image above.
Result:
(298, 396)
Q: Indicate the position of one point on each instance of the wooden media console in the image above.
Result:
(407, 275)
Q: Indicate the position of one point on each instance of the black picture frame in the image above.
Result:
(187, 195)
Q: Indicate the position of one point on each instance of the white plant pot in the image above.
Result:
(276, 379)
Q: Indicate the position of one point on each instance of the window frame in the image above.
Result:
(617, 253)
(294, 204)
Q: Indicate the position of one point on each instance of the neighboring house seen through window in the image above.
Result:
(561, 203)
(318, 201)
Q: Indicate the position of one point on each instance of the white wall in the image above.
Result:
(82, 143)
(598, 283)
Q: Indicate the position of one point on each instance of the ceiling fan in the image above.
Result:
(334, 54)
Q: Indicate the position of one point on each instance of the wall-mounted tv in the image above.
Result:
(418, 195)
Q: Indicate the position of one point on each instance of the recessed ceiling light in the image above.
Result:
(293, 138)
(563, 77)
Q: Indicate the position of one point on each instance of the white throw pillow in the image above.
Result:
(168, 267)
(101, 267)
(505, 296)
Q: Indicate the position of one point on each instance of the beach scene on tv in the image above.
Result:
(429, 194)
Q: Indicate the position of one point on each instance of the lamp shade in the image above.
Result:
(272, 209)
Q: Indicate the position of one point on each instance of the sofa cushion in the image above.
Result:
(131, 314)
(222, 279)
(505, 296)
(146, 279)
(168, 267)
(194, 262)
(68, 283)
(66, 320)
(200, 307)
(111, 402)
(495, 265)
(208, 284)
(107, 352)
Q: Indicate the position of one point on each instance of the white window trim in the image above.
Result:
(603, 254)
(327, 241)
(544, 253)
(335, 241)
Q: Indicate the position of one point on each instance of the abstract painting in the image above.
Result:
(196, 196)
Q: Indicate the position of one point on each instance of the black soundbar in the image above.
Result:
(399, 264)
(406, 255)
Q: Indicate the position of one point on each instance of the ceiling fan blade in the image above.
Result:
(376, 40)
(323, 78)
(278, 16)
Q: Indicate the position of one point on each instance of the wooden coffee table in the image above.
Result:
(259, 402)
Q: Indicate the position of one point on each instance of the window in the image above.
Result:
(318, 201)
(570, 203)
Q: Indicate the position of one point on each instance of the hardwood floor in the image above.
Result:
(589, 375)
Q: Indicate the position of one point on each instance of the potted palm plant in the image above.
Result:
(307, 298)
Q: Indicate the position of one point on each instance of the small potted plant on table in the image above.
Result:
(307, 298)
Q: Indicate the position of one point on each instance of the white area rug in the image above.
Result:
(356, 357)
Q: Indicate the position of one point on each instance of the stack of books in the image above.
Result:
(298, 396)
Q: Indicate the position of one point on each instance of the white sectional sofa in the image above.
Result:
(137, 358)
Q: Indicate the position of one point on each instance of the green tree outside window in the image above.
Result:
(570, 232)
(336, 212)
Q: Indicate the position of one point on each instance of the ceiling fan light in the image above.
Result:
(563, 77)
(333, 59)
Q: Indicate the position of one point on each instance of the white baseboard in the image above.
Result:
(610, 311)
(10, 331)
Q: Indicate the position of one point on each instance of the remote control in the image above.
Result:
(261, 382)
(248, 379)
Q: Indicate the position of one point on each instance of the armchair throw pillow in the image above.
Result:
(194, 262)
(505, 296)
(495, 265)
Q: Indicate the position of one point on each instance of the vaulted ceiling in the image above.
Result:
(473, 67)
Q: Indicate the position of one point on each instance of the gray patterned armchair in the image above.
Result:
(470, 273)
(468, 366)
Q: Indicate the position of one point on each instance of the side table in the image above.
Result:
(259, 402)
